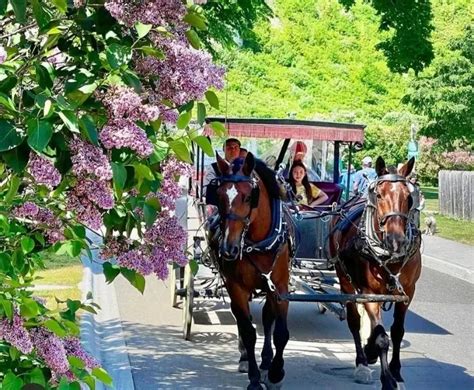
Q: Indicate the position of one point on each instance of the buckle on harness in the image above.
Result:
(271, 286)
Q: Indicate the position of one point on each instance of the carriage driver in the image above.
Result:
(231, 149)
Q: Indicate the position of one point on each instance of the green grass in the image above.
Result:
(450, 228)
(60, 270)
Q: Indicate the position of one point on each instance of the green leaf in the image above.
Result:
(5, 262)
(8, 306)
(195, 20)
(201, 113)
(80, 231)
(17, 158)
(8, 83)
(132, 80)
(149, 215)
(142, 29)
(194, 265)
(102, 375)
(69, 118)
(11, 381)
(9, 135)
(143, 172)
(43, 77)
(151, 51)
(88, 129)
(118, 55)
(19, 8)
(204, 143)
(120, 175)
(3, 7)
(219, 128)
(183, 120)
(193, 39)
(181, 149)
(39, 134)
(55, 327)
(61, 5)
(76, 362)
(6, 102)
(27, 244)
(47, 108)
(36, 376)
(135, 279)
(110, 271)
(29, 308)
(153, 202)
(15, 182)
(212, 98)
(42, 17)
(73, 248)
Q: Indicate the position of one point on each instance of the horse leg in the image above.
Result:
(397, 331)
(243, 361)
(281, 335)
(240, 309)
(268, 317)
(378, 345)
(362, 373)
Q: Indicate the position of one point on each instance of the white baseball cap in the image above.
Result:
(367, 160)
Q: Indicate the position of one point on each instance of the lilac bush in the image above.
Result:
(91, 101)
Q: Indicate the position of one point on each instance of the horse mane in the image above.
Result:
(267, 175)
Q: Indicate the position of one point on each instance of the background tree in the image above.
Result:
(444, 94)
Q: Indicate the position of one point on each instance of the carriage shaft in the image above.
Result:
(343, 298)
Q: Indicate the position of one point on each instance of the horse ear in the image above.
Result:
(408, 167)
(222, 164)
(380, 167)
(249, 164)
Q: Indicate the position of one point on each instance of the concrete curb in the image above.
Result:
(102, 334)
(448, 268)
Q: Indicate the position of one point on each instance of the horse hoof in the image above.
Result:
(273, 386)
(401, 386)
(263, 376)
(363, 374)
(244, 366)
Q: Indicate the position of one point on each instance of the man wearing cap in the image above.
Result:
(363, 177)
(231, 149)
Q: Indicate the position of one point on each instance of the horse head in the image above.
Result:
(237, 196)
(393, 198)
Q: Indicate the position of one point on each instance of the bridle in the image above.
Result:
(413, 201)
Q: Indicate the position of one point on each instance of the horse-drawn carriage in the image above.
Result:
(254, 242)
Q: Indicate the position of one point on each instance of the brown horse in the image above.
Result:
(379, 253)
(251, 256)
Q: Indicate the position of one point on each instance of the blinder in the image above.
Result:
(413, 200)
(213, 186)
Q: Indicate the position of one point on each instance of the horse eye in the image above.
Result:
(379, 196)
(247, 199)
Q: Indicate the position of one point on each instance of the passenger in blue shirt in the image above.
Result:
(363, 177)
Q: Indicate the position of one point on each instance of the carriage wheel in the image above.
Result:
(175, 278)
(188, 302)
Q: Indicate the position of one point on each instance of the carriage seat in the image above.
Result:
(332, 190)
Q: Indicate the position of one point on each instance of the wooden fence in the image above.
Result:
(456, 194)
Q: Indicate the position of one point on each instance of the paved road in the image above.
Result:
(437, 351)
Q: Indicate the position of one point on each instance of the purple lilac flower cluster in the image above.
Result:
(16, 334)
(170, 189)
(45, 218)
(73, 347)
(50, 348)
(185, 74)
(3, 55)
(113, 247)
(92, 192)
(164, 243)
(157, 12)
(88, 159)
(124, 133)
(43, 171)
(124, 108)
